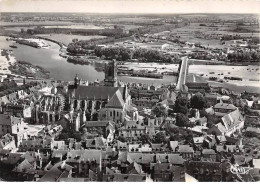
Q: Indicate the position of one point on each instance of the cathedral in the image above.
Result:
(103, 103)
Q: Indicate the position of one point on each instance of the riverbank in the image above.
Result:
(28, 70)
(10, 66)
(6, 59)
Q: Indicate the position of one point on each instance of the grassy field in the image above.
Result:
(209, 35)
(66, 39)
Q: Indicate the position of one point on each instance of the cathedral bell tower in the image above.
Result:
(111, 74)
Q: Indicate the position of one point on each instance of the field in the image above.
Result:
(209, 34)
(66, 39)
(77, 26)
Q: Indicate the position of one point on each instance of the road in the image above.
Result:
(182, 74)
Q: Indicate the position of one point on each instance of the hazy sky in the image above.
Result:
(132, 6)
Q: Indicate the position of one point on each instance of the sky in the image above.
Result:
(132, 6)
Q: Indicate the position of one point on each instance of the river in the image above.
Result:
(60, 69)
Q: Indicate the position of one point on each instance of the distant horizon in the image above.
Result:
(118, 13)
(131, 6)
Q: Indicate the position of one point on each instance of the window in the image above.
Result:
(111, 114)
(117, 114)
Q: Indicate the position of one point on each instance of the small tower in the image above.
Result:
(76, 81)
(111, 74)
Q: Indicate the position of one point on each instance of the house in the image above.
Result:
(58, 145)
(209, 141)
(14, 126)
(59, 155)
(17, 109)
(7, 142)
(186, 151)
(229, 149)
(212, 98)
(147, 159)
(58, 171)
(134, 129)
(118, 177)
(134, 168)
(25, 171)
(209, 155)
(222, 109)
(8, 163)
(83, 160)
(36, 144)
(231, 123)
(100, 128)
(204, 171)
(166, 172)
(197, 84)
(242, 160)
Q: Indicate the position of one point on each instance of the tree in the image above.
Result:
(122, 139)
(212, 120)
(182, 120)
(160, 111)
(145, 138)
(160, 137)
(181, 105)
(198, 101)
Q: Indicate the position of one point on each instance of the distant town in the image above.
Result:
(129, 98)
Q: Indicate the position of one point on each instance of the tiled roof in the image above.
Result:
(221, 127)
(232, 119)
(116, 101)
(222, 138)
(175, 159)
(137, 167)
(4, 100)
(161, 158)
(96, 123)
(129, 177)
(122, 156)
(13, 158)
(208, 152)
(29, 156)
(6, 139)
(225, 106)
(185, 149)
(59, 170)
(173, 145)
(59, 153)
(95, 92)
(23, 167)
(159, 167)
(76, 156)
(147, 158)
(134, 157)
